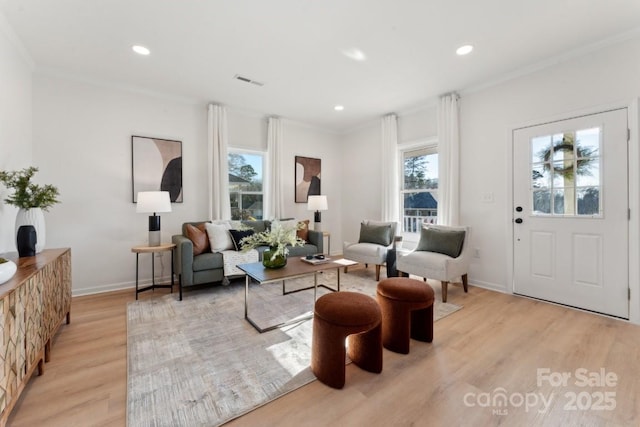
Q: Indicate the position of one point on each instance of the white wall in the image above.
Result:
(15, 122)
(597, 79)
(301, 140)
(249, 131)
(82, 137)
(361, 159)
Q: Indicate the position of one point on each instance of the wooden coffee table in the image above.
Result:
(295, 268)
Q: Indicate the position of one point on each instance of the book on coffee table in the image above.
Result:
(315, 261)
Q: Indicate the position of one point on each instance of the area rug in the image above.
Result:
(198, 362)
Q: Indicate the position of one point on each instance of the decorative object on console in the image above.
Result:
(153, 202)
(26, 241)
(31, 198)
(157, 166)
(307, 178)
(317, 204)
(7, 270)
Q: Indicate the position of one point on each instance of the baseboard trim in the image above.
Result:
(490, 286)
(120, 286)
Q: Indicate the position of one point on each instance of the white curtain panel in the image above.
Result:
(389, 170)
(275, 140)
(219, 204)
(449, 159)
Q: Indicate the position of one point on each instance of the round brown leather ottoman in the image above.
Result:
(407, 312)
(339, 315)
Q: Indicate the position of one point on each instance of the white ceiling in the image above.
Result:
(295, 47)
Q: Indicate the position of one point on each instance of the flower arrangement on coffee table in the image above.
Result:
(279, 238)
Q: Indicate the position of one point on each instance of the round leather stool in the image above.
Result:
(339, 315)
(407, 312)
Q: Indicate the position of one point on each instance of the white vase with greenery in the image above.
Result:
(32, 199)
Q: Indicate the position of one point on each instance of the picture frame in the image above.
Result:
(308, 173)
(156, 165)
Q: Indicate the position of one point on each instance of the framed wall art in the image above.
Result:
(156, 166)
(308, 172)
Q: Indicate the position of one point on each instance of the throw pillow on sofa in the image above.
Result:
(198, 235)
(303, 232)
(219, 237)
(238, 235)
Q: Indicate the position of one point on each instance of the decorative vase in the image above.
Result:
(35, 217)
(278, 262)
(7, 271)
(26, 241)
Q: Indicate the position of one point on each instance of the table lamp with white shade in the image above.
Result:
(317, 204)
(154, 202)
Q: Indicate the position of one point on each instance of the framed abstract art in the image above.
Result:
(156, 166)
(308, 173)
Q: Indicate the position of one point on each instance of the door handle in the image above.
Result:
(518, 220)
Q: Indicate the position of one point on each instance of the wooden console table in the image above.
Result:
(33, 305)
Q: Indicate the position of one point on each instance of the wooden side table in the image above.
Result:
(152, 250)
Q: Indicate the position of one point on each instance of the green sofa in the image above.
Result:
(208, 266)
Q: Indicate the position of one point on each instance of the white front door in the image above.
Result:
(570, 211)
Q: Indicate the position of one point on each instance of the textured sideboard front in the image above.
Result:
(33, 305)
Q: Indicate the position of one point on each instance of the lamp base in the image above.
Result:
(154, 230)
(317, 226)
(154, 238)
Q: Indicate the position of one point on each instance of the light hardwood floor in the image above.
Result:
(496, 341)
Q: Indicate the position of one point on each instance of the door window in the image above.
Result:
(566, 173)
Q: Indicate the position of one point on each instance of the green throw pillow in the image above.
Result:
(448, 242)
(378, 234)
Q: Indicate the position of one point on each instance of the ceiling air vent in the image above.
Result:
(247, 80)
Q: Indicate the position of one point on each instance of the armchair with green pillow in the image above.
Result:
(443, 253)
(199, 248)
(376, 239)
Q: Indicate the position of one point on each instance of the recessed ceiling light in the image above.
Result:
(464, 50)
(339, 107)
(355, 54)
(141, 50)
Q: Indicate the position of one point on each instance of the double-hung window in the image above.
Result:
(419, 193)
(246, 188)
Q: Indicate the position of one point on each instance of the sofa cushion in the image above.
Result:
(207, 261)
(238, 235)
(447, 242)
(377, 234)
(198, 235)
(219, 237)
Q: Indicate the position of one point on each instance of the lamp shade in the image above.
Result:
(317, 203)
(153, 201)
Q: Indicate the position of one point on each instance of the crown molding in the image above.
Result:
(555, 60)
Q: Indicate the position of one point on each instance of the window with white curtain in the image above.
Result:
(419, 181)
(246, 189)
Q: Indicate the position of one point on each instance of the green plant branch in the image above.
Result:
(27, 195)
